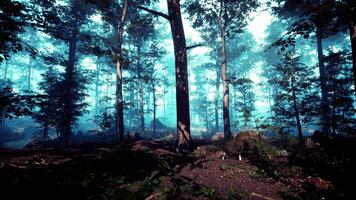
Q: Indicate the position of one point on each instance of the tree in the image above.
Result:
(49, 105)
(180, 51)
(339, 74)
(64, 23)
(14, 105)
(314, 17)
(228, 17)
(14, 17)
(294, 100)
(245, 98)
(140, 31)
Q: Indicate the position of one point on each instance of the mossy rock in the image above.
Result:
(238, 144)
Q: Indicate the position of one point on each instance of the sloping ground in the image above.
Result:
(141, 170)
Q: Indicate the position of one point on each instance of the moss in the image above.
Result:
(226, 166)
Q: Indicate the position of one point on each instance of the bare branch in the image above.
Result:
(154, 12)
(194, 46)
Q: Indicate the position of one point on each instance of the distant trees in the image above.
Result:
(141, 30)
(229, 17)
(245, 99)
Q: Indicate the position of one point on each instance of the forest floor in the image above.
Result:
(150, 170)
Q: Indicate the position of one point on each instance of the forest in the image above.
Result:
(178, 99)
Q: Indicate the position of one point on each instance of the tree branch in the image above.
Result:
(154, 12)
(194, 46)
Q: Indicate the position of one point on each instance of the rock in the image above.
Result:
(237, 144)
(282, 153)
(310, 143)
(217, 136)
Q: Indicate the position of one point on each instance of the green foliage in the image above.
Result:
(340, 94)
(226, 166)
(260, 154)
(14, 105)
(245, 99)
(15, 18)
(296, 85)
(310, 192)
(234, 195)
(285, 141)
(226, 14)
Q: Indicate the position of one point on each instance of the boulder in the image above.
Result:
(217, 136)
(236, 145)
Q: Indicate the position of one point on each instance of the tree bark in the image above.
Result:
(97, 76)
(353, 45)
(217, 86)
(69, 78)
(226, 113)
(182, 90)
(29, 75)
(5, 70)
(140, 90)
(206, 117)
(45, 130)
(325, 118)
(297, 113)
(154, 108)
(120, 135)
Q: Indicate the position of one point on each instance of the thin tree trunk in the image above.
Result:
(132, 107)
(245, 107)
(140, 90)
(232, 106)
(353, 45)
(5, 70)
(45, 131)
(107, 92)
(29, 75)
(97, 89)
(207, 117)
(325, 118)
(120, 135)
(182, 90)
(297, 113)
(217, 86)
(3, 119)
(226, 113)
(154, 108)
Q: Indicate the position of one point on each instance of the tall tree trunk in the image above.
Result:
(70, 79)
(232, 106)
(297, 113)
(2, 117)
(120, 135)
(97, 80)
(325, 118)
(226, 113)
(154, 108)
(140, 90)
(353, 45)
(45, 130)
(6, 67)
(182, 90)
(206, 117)
(217, 86)
(29, 75)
